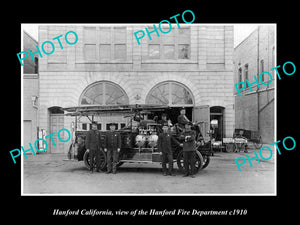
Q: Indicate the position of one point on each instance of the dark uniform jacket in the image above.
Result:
(163, 123)
(182, 120)
(92, 140)
(188, 138)
(113, 140)
(164, 142)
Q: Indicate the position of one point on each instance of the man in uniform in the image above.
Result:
(164, 145)
(189, 150)
(182, 119)
(112, 147)
(162, 122)
(92, 144)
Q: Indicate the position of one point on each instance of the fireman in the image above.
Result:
(164, 145)
(112, 147)
(182, 119)
(92, 144)
(189, 150)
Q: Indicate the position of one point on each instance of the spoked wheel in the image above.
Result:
(86, 159)
(120, 164)
(206, 160)
(258, 144)
(198, 164)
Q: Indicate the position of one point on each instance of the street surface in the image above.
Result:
(53, 174)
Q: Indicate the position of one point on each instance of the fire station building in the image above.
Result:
(191, 66)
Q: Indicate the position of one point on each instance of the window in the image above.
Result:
(173, 45)
(169, 51)
(36, 64)
(240, 77)
(103, 93)
(89, 36)
(184, 35)
(246, 74)
(104, 35)
(84, 127)
(105, 43)
(108, 128)
(184, 43)
(120, 35)
(170, 93)
(105, 51)
(154, 51)
(183, 51)
(120, 51)
(90, 52)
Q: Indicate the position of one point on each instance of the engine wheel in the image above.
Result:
(198, 164)
(206, 160)
(87, 162)
(258, 143)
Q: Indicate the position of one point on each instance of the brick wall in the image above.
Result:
(255, 110)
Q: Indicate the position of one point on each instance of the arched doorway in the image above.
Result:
(103, 93)
(173, 94)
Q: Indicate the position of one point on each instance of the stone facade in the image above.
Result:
(110, 53)
(255, 110)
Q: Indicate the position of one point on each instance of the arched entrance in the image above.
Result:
(173, 94)
(103, 93)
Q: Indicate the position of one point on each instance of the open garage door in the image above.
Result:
(202, 113)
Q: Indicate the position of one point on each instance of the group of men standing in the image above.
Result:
(112, 146)
(188, 136)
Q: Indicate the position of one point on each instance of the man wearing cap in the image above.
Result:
(182, 119)
(92, 144)
(189, 150)
(164, 145)
(112, 147)
(162, 122)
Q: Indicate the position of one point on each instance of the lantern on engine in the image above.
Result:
(140, 140)
(152, 140)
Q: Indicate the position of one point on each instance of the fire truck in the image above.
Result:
(138, 138)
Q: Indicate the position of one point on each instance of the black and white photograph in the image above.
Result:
(151, 109)
(144, 113)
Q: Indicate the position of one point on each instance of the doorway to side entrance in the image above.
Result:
(56, 123)
(216, 113)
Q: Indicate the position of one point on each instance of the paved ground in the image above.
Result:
(51, 174)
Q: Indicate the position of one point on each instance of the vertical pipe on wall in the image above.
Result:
(257, 92)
